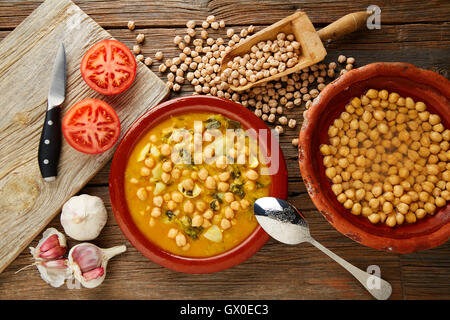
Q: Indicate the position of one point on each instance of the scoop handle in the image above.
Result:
(382, 292)
(347, 24)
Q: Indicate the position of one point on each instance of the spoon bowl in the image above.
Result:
(283, 222)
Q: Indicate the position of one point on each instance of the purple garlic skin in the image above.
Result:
(87, 257)
(52, 246)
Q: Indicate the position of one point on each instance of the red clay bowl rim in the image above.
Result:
(333, 215)
(182, 105)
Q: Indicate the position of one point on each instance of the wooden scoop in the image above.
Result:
(298, 24)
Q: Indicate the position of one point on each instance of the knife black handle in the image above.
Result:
(50, 144)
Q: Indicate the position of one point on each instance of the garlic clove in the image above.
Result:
(54, 272)
(53, 245)
(83, 217)
(87, 257)
(53, 253)
(50, 243)
(94, 274)
(88, 262)
(55, 264)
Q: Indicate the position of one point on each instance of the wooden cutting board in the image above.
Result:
(27, 204)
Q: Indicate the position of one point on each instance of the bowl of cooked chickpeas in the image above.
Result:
(374, 155)
(184, 179)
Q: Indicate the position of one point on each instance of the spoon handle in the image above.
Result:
(381, 292)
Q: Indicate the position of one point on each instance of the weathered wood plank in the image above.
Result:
(426, 274)
(27, 204)
(296, 272)
(150, 13)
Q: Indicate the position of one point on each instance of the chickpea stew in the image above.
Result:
(190, 188)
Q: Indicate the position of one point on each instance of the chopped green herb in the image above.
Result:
(236, 173)
(232, 124)
(238, 188)
(212, 123)
(193, 232)
(214, 204)
(185, 224)
(166, 136)
(218, 197)
(170, 215)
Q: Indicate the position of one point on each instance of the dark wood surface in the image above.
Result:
(417, 32)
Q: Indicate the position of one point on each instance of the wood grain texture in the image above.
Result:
(24, 82)
(175, 13)
(276, 272)
(412, 31)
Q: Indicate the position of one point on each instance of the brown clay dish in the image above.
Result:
(407, 80)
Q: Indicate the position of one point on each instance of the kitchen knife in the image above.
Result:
(50, 143)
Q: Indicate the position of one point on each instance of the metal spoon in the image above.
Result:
(283, 222)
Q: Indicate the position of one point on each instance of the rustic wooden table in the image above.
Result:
(417, 32)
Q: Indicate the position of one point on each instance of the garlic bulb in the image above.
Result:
(83, 217)
(88, 263)
(47, 255)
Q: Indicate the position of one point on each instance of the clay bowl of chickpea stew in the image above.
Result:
(374, 152)
(184, 179)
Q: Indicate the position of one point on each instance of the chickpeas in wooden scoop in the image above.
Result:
(387, 158)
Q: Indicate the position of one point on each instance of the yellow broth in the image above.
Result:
(193, 224)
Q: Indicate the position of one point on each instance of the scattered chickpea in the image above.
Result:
(140, 38)
(131, 25)
(215, 25)
(148, 61)
(190, 24)
(292, 123)
(159, 55)
(136, 49)
(342, 59)
(176, 87)
(279, 129)
(162, 68)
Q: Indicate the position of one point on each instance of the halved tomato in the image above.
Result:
(91, 126)
(108, 67)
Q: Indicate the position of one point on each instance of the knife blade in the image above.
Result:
(50, 143)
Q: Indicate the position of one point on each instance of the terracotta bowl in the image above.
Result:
(407, 80)
(147, 121)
